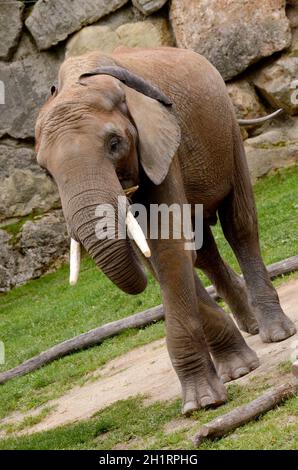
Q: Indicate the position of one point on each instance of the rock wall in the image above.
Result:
(253, 44)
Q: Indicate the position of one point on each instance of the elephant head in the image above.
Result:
(93, 136)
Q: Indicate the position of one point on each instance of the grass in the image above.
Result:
(27, 422)
(131, 425)
(43, 312)
(277, 203)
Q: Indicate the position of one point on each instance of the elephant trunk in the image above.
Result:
(115, 255)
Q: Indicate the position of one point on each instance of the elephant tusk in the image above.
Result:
(253, 122)
(137, 234)
(130, 191)
(75, 260)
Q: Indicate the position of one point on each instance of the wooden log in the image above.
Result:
(84, 340)
(279, 268)
(97, 335)
(285, 266)
(241, 415)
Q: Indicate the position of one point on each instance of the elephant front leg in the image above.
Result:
(186, 344)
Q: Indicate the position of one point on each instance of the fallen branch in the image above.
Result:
(280, 268)
(241, 415)
(83, 341)
(97, 335)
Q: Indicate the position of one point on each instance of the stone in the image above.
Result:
(10, 27)
(245, 100)
(27, 85)
(153, 33)
(24, 186)
(41, 246)
(149, 33)
(277, 147)
(278, 83)
(25, 48)
(5, 279)
(292, 14)
(7, 262)
(126, 14)
(102, 35)
(44, 243)
(147, 7)
(91, 38)
(246, 103)
(231, 34)
(64, 18)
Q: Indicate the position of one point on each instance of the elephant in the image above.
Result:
(158, 124)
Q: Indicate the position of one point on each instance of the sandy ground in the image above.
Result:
(147, 370)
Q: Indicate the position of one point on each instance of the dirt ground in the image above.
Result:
(147, 370)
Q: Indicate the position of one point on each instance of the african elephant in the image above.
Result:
(161, 120)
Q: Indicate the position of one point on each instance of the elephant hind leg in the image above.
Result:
(231, 355)
(239, 222)
(228, 284)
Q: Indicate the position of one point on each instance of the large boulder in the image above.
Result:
(7, 262)
(92, 38)
(292, 14)
(27, 85)
(153, 33)
(126, 14)
(277, 147)
(245, 100)
(10, 27)
(148, 6)
(150, 33)
(278, 83)
(231, 35)
(41, 246)
(26, 47)
(246, 103)
(278, 80)
(24, 186)
(52, 21)
(44, 244)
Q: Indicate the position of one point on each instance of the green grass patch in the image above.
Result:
(27, 422)
(131, 425)
(46, 311)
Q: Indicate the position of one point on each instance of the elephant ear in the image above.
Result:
(159, 134)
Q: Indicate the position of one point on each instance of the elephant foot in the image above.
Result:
(275, 329)
(243, 313)
(247, 322)
(237, 299)
(202, 391)
(235, 363)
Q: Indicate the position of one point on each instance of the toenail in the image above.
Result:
(206, 401)
(189, 407)
(240, 372)
(225, 378)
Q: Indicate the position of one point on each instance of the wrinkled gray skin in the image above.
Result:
(97, 136)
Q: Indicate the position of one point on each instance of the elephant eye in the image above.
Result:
(53, 90)
(114, 144)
